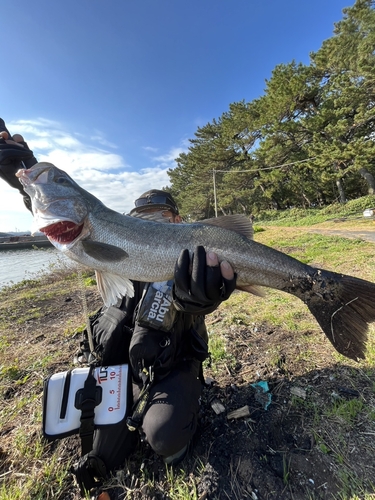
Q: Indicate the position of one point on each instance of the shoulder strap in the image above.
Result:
(86, 400)
(135, 420)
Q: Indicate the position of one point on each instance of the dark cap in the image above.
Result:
(155, 199)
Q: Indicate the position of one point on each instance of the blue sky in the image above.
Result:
(111, 90)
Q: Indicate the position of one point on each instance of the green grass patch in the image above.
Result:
(346, 411)
(311, 216)
(216, 345)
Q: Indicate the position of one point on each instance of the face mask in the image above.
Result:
(154, 216)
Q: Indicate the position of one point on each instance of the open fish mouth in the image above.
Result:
(63, 232)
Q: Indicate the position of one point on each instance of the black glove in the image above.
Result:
(200, 290)
(12, 158)
(8, 174)
(14, 154)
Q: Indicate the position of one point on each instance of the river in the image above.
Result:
(17, 265)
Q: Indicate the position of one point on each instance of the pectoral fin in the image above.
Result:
(113, 287)
(103, 252)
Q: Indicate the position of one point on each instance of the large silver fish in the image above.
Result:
(122, 248)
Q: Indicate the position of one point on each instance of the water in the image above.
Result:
(17, 265)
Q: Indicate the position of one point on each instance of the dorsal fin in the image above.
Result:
(238, 223)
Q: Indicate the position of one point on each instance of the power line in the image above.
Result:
(267, 168)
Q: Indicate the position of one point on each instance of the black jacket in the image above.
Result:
(119, 338)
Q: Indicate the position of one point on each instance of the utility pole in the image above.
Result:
(215, 200)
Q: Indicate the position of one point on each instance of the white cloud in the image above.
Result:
(103, 141)
(170, 157)
(168, 160)
(101, 172)
(67, 142)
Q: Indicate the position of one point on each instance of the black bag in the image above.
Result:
(152, 348)
(114, 443)
(111, 446)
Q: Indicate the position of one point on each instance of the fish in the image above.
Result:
(121, 248)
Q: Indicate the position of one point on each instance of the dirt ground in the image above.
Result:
(289, 450)
(294, 448)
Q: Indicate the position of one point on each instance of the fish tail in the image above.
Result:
(343, 306)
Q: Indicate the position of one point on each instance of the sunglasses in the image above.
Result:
(155, 200)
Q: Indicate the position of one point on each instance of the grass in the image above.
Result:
(334, 253)
(345, 411)
(32, 468)
(176, 484)
(351, 211)
(28, 468)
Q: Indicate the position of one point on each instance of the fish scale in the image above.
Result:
(122, 248)
(158, 264)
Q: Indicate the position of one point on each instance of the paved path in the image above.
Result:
(348, 233)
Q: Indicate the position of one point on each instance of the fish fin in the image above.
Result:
(344, 307)
(103, 252)
(112, 287)
(251, 289)
(238, 223)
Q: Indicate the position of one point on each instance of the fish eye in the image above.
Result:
(62, 180)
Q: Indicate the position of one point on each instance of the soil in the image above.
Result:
(291, 449)
(277, 453)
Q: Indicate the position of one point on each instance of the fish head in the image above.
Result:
(60, 207)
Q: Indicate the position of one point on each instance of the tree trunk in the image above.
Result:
(207, 210)
(340, 188)
(369, 178)
(304, 197)
(321, 199)
(242, 206)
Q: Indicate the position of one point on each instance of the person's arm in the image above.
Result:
(200, 283)
(14, 155)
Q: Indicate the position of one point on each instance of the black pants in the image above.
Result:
(170, 420)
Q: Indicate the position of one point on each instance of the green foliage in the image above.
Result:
(307, 142)
(90, 281)
(11, 372)
(309, 216)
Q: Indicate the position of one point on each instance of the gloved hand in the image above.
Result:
(14, 154)
(14, 150)
(200, 284)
